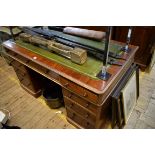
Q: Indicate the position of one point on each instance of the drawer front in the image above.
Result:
(11, 52)
(44, 70)
(37, 67)
(84, 113)
(15, 63)
(25, 81)
(79, 90)
(23, 59)
(79, 120)
(20, 75)
(20, 68)
(19, 72)
(53, 75)
(28, 81)
(32, 86)
(91, 107)
(9, 59)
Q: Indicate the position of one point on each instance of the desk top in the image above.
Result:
(96, 85)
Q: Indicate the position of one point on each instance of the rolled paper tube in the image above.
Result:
(96, 35)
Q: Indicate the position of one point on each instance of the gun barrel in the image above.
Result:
(98, 53)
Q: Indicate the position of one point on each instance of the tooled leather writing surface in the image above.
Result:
(97, 86)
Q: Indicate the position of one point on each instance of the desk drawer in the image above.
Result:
(83, 112)
(15, 55)
(20, 75)
(78, 119)
(34, 65)
(7, 58)
(44, 70)
(79, 90)
(15, 63)
(26, 82)
(18, 67)
(34, 87)
(31, 79)
(91, 107)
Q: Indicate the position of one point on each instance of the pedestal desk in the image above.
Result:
(87, 100)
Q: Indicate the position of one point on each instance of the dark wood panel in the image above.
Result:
(96, 28)
(142, 36)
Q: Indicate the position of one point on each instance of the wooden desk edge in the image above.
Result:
(97, 91)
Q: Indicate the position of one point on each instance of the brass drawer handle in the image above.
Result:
(21, 79)
(87, 115)
(11, 61)
(28, 84)
(70, 95)
(87, 105)
(85, 94)
(14, 54)
(66, 84)
(27, 61)
(47, 71)
(23, 74)
(73, 115)
(71, 105)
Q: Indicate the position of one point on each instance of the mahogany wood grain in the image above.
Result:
(87, 100)
(97, 86)
(84, 103)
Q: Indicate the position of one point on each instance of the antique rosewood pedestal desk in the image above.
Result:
(87, 98)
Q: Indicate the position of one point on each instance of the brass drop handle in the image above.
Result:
(20, 65)
(66, 84)
(23, 73)
(29, 84)
(47, 71)
(73, 115)
(87, 115)
(70, 95)
(71, 105)
(14, 54)
(27, 61)
(11, 61)
(87, 105)
(85, 94)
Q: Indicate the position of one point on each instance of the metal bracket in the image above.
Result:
(103, 75)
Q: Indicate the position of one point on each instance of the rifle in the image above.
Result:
(77, 55)
(98, 53)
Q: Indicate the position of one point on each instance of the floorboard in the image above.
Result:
(26, 111)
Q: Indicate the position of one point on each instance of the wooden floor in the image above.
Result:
(143, 115)
(28, 112)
